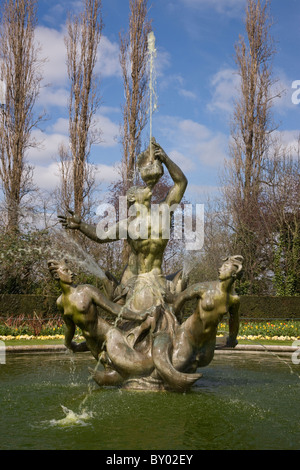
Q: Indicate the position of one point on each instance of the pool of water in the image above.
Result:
(244, 401)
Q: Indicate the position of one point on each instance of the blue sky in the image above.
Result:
(196, 84)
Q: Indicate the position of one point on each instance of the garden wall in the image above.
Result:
(252, 307)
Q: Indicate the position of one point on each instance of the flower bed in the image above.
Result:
(21, 328)
(40, 338)
(276, 330)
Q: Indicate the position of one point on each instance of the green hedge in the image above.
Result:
(252, 307)
(12, 305)
(262, 307)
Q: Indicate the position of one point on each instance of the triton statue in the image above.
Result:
(148, 346)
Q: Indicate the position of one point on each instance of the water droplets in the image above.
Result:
(72, 419)
(152, 80)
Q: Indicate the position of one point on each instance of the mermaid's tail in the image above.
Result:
(161, 352)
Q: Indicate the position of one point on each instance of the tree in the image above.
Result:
(134, 65)
(281, 217)
(251, 134)
(134, 60)
(20, 68)
(82, 41)
(64, 193)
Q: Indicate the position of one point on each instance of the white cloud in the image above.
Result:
(224, 86)
(109, 131)
(162, 62)
(289, 140)
(166, 81)
(54, 51)
(58, 133)
(48, 146)
(108, 64)
(46, 177)
(107, 173)
(56, 12)
(187, 94)
(193, 143)
(55, 90)
(60, 126)
(44, 158)
(53, 97)
(181, 160)
(109, 109)
(212, 152)
(191, 129)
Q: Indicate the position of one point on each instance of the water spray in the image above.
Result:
(152, 82)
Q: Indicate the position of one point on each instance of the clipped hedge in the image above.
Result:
(12, 305)
(252, 307)
(264, 308)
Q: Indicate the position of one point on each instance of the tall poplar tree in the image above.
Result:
(20, 69)
(82, 41)
(134, 64)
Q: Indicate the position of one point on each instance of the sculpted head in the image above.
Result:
(231, 268)
(60, 270)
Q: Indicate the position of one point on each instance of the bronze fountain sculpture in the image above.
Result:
(148, 346)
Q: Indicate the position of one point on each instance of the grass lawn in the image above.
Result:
(33, 342)
(266, 342)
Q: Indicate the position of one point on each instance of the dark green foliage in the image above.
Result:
(267, 307)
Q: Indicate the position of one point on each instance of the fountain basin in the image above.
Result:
(244, 401)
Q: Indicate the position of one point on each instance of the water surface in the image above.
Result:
(244, 401)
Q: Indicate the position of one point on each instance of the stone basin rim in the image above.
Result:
(239, 348)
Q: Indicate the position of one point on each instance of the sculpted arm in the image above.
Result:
(177, 191)
(116, 309)
(192, 292)
(74, 222)
(234, 323)
(70, 328)
(69, 333)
